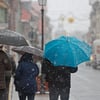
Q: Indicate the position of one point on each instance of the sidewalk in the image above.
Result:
(37, 97)
(14, 95)
(46, 97)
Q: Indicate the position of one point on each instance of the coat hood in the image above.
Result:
(26, 57)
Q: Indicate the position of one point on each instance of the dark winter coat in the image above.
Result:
(5, 66)
(25, 76)
(60, 76)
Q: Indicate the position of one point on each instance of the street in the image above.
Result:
(84, 86)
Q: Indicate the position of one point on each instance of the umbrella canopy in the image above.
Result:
(67, 51)
(28, 49)
(9, 37)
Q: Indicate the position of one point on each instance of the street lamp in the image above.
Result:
(42, 3)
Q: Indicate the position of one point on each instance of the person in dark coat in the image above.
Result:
(25, 77)
(5, 74)
(58, 78)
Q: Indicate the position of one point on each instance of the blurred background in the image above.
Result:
(40, 23)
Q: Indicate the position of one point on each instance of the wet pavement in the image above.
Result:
(85, 86)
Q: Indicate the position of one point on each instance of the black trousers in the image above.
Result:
(54, 93)
(3, 94)
(23, 96)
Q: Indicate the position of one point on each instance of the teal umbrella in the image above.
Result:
(67, 51)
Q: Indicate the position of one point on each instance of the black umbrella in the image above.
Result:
(9, 37)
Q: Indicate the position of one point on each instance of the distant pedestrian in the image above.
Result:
(58, 78)
(5, 74)
(25, 77)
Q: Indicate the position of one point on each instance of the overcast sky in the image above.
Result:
(79, 9)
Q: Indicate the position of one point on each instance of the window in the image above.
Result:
(3, 15)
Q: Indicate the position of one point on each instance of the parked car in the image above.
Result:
(96, 54)
(89, 63)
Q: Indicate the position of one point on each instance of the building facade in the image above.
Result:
(3, 15)
(94, 29)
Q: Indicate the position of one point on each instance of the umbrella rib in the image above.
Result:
(83, 52)
(72, 54)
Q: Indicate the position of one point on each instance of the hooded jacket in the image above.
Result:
(25, 75)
